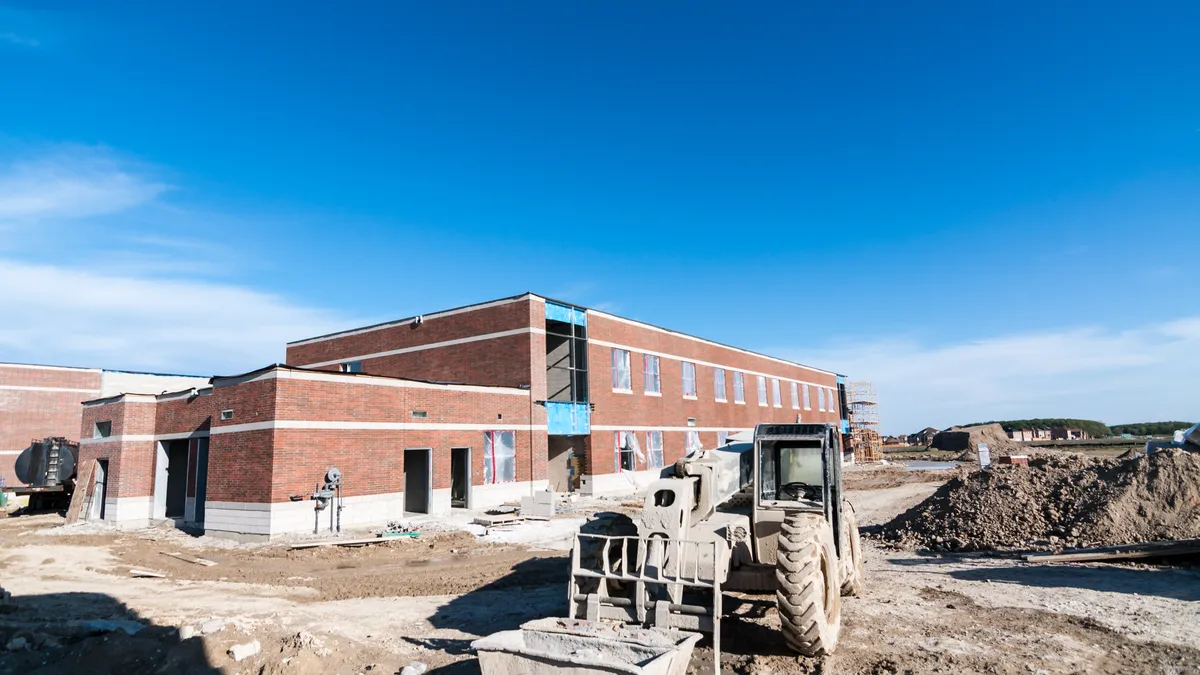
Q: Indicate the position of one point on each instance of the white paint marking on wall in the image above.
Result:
(431, 345)
(685, 336)
(424, 317)
(17, 387)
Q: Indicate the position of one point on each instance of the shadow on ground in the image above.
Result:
(1163, 582)
(69, 633)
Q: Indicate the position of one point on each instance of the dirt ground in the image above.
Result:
(377, 608)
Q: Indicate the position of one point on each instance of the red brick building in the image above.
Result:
(39, 401)
(465, 408)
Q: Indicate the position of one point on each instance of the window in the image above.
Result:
(499, 457)
(689, 379)
(620, 371)
(625, 451)
(795, 396)
(719, 384)
(820, 399)
(807, 402)
(650, 374)
(102, 429)
(739, 388)
(352, 367)
(776, 398)
(420, 414)
(693, 442)
(654, 449)
(226, 415)
(722, 438)
(762, 390)
(832, 401)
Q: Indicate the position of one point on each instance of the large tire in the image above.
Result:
(806, 569)
(855, 573)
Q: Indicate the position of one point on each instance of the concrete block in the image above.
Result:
(414, 668)
(212, 626)
(187, 632)
(244, 651)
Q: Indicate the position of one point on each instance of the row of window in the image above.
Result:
(622, 381)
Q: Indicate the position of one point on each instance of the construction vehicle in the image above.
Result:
(47, 467)
(764, 516)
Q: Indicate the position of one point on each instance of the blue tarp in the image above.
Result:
(565, 313)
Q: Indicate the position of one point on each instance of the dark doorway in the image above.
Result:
(460, 478)
(99, 491)
(201, 479)
(416, 481)
(560, 451)
(177, 456)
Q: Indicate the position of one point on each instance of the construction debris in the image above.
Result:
(967, 440)
(1058, 501)
(339, 542)
(245, 651)
(196, 561)
(146, 574)
(538, 505)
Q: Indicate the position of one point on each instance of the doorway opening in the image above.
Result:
(416, 480)
(99, 491)
(460, 478)
(561, 461)
(177, 460)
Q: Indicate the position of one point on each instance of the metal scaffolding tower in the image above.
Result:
(864, 422)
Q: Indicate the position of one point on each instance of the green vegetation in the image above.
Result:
(1094, 428)
(1150, 428)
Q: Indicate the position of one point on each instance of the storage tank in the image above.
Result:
(47, 467)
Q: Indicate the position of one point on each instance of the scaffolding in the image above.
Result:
(864, 422)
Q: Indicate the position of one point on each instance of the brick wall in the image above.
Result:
(129, 453)
(36, 402)
(496, 361)
(671, 409)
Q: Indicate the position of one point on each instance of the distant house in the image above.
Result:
(923, 437)
(1068, 434)
(1041, 433)
(1021, 435)
(895, 440)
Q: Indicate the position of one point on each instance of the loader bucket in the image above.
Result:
(576, 647)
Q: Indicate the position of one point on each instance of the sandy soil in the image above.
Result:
(375, 609)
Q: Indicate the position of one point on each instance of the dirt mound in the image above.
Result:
(1058, 501)
(967, 439)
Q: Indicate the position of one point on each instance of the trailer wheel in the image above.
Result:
(806, 569)
(855, 572)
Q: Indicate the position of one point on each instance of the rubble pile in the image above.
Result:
(967, 439)
(1058, 501)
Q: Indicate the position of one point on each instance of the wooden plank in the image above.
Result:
(85, 483)
(196, 561)
(147, 574)
(338, 542)
(1133, 551)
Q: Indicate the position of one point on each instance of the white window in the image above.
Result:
(689, 379)
(693, 442)
(762, 390)
(722, 438)
(739, 388)
(776, 398)
(832, 401)
(620, 370)
(499, 457)
(654, 448)
(807, 401)
(719, 384)
(625, 451)
(821, 399)
(795, 396)
(650, 374)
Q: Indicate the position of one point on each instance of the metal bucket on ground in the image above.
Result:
(576, 647)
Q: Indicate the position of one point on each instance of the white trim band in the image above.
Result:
(626, 427)
(370, 380)
(351, 425)
(141, 438)
(19, 387)
(431, 345)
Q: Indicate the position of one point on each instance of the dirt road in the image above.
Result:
(375, 609)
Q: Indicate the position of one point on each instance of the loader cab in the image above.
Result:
(797, 468)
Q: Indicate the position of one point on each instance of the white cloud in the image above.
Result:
(1137, 374)
(62, 315)
(73, 182)
(18, 40)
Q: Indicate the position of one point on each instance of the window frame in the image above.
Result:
(807, 397)
(489, 456)
(761, 386)
(647, 359)
(650, 450)
(615, 370)
(689, 435)
(684, 374)
(820, 399)
(719, 392)
(619, 454)
(776, 394)
(795, 395)
(739, 387)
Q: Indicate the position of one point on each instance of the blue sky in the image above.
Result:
(990, 209)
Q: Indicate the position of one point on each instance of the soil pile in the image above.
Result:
(968, 439)
(1058, 501)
